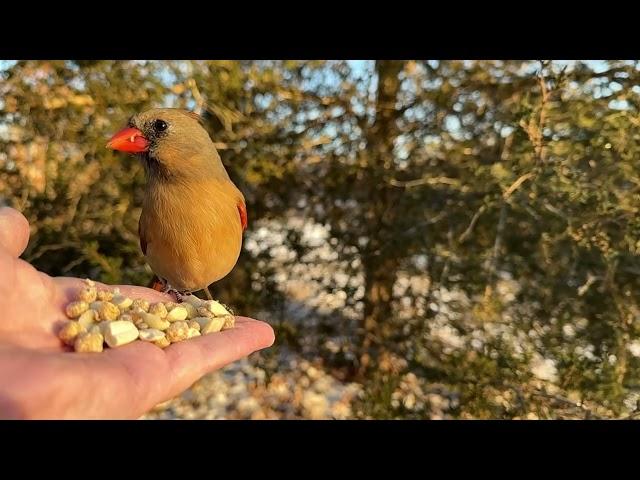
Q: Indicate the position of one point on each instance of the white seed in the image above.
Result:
(216, 308)
(154, 321)
(192, 311)
(151, 335)
(137, 313)
(176, 314)
(118, 333)
(193, 300)
(193, 332)
(213, 325)
(202, 321)
(122, 302)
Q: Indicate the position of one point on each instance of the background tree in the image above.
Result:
(459, 237)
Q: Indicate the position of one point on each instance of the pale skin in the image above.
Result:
(42, 379)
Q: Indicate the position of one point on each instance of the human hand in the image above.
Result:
(40, 378)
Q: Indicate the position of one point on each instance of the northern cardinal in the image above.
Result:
(193, 216)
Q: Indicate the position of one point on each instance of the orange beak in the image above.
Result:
(129, 140)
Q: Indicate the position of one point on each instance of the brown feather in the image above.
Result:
(143, 240)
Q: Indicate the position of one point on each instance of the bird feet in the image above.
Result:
(172, 291)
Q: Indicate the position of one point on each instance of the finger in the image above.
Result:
(14, 231)
(135, 291)
(69, 287)
(194, 358)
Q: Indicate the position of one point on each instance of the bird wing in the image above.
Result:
(143, 239)
(243, 214)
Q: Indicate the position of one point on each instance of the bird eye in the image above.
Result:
(159, 125)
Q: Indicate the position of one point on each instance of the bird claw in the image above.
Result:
(177, 294)
(172, 291)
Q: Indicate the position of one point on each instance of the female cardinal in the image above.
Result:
(193, 216)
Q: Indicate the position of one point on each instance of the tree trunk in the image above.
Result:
(378, 312)
(380, 263)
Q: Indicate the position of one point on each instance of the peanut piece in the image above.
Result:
(75, 309)
(137, 313)
(204, 312)
(192, 332)
(177, 313)
(118, 333)
(88, 294)
(229, 322)
(87, 319)
(108, 311)
(151, 335)
(96, 328)
(89, 343)
(104, 295)
(170, 305)
(162, 343)
(95, 306)
(194, 324)
(177, 331)
(70, 331)
(140, 303)
(158, 309)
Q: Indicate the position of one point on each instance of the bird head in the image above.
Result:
(170, 140)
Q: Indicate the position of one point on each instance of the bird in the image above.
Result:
(193, 216)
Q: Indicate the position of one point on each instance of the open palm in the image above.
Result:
(40, 378)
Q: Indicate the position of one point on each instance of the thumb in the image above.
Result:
(14, 231)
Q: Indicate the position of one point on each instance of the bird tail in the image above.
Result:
(208, 293)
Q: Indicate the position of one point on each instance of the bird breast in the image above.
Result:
(193, 231)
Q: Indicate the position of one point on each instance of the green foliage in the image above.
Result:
(509, 187)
